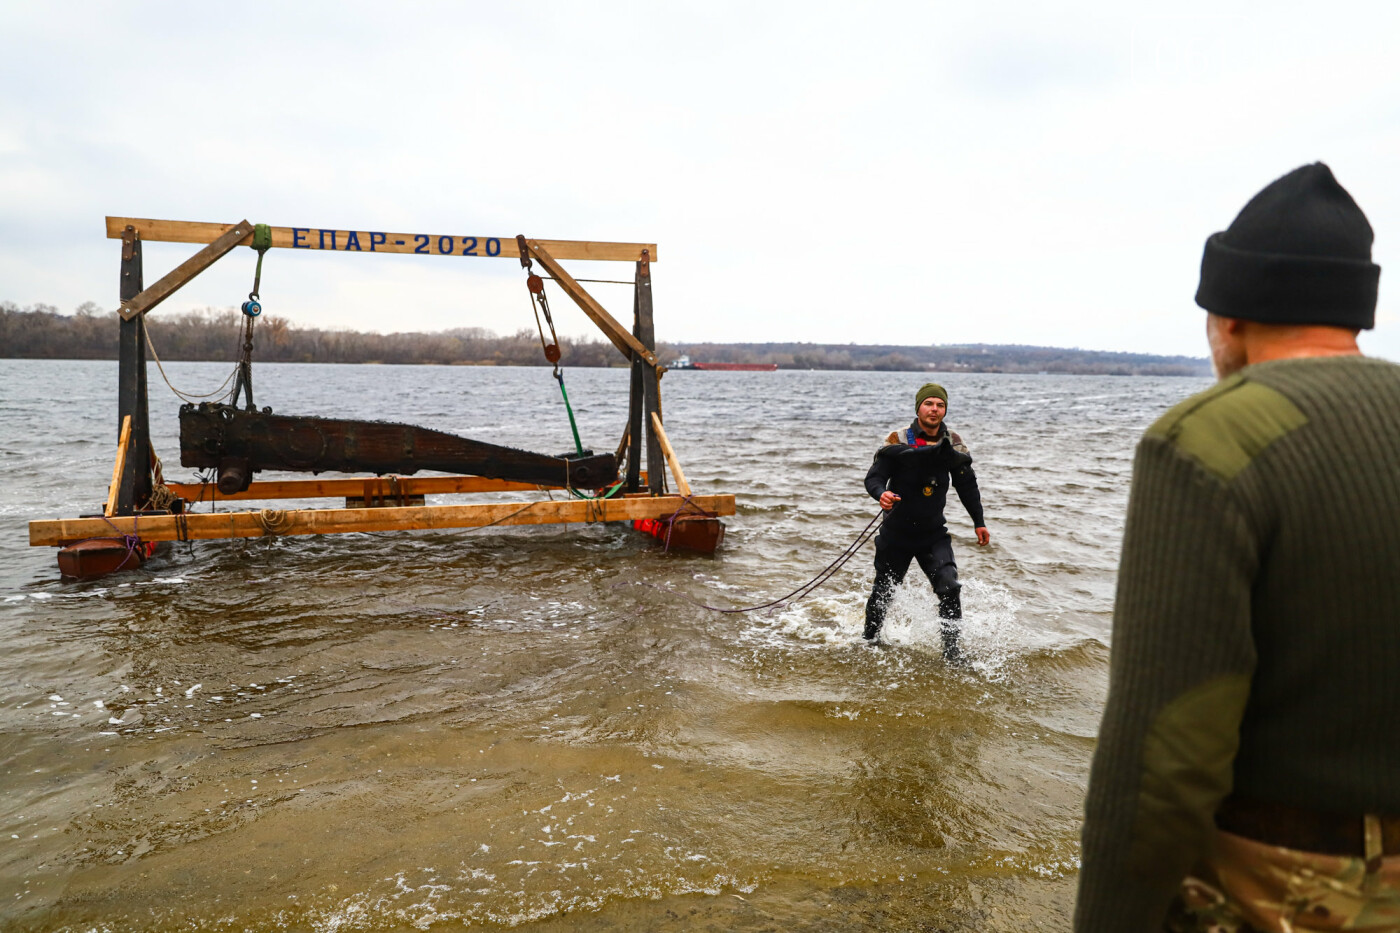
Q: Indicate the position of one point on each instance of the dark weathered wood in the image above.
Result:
(651, 380)
(636, 405)
(135, 484)
(176, 279)
(238, 443)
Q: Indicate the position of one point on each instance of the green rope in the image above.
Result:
(578, 444)
(607, 495)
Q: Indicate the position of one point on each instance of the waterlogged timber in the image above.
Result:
(531, 728)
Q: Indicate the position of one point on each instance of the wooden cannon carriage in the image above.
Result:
(143, 510)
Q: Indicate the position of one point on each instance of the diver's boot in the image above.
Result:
(952, 646)
(949, 612)
(872, 630)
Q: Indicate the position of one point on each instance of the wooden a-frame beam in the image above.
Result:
(118, 467)
(186, 270)
(670, 454)
(620, 336)
(377, 241)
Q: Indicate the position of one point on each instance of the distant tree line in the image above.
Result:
(42, 332)
(970, 358)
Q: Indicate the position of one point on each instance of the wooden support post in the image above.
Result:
(636, 405)
(176, 279)
(650, 377)
(670, 453)
(118, 467)
(134, 487)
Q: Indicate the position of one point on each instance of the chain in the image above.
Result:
(262, 242)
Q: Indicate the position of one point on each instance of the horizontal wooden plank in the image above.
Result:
(379, 241)
(216, 525)
(372, 486)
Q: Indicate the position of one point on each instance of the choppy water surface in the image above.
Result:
(499, 729)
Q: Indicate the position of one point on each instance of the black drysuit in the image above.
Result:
(915, 529)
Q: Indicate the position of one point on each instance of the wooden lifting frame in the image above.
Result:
(127, 512)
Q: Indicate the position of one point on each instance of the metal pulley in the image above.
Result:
(252, 307)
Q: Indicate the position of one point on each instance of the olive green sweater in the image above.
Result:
(1256, 632)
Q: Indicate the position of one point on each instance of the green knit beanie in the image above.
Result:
(929, 391)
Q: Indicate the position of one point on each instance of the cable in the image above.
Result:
(803, 591)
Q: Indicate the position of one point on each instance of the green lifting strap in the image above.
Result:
(262, 242)
(578, 444)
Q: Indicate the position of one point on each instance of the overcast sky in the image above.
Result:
(894, 173)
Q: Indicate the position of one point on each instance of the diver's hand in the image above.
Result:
(887, 500)
(984, 537)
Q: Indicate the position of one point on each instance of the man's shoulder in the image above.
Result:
(1225, 427)
(900, 435)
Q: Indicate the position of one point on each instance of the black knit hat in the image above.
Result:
(1299, 253)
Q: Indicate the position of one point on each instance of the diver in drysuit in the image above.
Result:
(910, 477)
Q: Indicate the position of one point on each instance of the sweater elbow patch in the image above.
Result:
(1187, 770)
(1224, 429)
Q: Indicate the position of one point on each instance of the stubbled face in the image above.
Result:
(931, 412)
(1227, 353)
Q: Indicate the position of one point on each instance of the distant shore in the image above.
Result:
(89, 333)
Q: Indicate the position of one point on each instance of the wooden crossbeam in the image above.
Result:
(670, 454)
(270, 522)
(379, 241)
(373, 487)
(620, 336)
(181, 274)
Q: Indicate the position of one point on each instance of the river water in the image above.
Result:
(529, 728)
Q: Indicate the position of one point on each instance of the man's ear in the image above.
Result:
(1234, 326)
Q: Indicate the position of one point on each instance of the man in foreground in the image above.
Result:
(1247, 775)
(910, 478)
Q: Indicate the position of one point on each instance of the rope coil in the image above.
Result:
(274, 522)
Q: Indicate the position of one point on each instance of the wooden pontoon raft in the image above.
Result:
(143, 510)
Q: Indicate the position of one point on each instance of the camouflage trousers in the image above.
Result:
(1252, 887)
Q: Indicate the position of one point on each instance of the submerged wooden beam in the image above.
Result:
(619, 335)
(181, 274)
(371, 487)
(272, 522)
(670, 453)
(378, 241)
